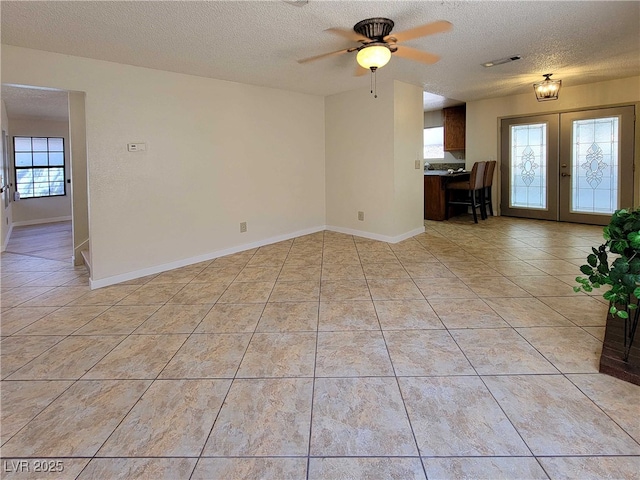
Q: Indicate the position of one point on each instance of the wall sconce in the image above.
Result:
(547, 89)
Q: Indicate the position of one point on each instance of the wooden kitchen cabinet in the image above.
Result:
(454, 128)
(435, 194)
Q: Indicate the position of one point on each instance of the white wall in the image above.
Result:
(218, 153)
(28, 211)
(371, 148)
(483, 117)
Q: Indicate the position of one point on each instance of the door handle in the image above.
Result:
(565, 174)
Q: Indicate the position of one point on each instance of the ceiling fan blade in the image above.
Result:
(416, 55)
(422, 31)
(324, 55)
(360, 71)
(348, 34)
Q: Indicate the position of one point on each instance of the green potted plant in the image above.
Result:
(616, 263)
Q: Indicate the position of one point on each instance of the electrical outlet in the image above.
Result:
(243, 227)
(419, 164)
(361, 216)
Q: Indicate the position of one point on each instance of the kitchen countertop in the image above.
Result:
(444, 173)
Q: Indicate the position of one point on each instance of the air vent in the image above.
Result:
(501, 61)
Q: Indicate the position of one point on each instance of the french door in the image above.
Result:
(570, 167)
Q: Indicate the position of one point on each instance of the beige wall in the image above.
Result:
(408, 147)
(359, 160)
(41, 210)
(6, 218)
(371, 148)
(79, 178)
(218, 153)
(483, 116)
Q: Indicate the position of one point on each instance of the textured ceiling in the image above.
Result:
(258, 42)
(31, 102)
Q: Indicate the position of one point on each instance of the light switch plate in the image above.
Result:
(418, 164)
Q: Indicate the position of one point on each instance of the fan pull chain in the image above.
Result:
(375, 85)
(374, 82)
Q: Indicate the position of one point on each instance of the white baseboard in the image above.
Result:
(41, 220)
(6, 240)
(375, 236)
(105, 282)
(86, 260)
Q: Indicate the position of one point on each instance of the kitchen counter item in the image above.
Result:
(445, 173)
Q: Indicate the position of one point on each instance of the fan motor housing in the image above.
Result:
(374, 28)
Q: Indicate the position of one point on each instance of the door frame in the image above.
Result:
(552, 122)
(626, 129)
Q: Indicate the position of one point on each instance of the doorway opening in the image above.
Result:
(55, 223)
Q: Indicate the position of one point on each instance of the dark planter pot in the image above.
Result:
(613, 352)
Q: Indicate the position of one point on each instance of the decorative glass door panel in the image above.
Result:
(596, 170)
(529, 152)
(594, 159)
(528, 166)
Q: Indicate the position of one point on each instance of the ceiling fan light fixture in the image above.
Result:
(373, 56)
(547, 89)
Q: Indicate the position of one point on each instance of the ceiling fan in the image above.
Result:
(377, 43)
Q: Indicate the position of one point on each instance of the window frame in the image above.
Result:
(17, 168)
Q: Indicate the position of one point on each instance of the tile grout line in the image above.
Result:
(315, 364)
(402, 397)
(151, 382)
(480, 377)
(235, 376)
(204, 445)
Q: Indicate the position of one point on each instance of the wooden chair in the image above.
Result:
(486, 188)
(473, 187)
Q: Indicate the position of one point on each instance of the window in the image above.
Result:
(434, 142)
(39, 164)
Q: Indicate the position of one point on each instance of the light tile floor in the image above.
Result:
(459, 353)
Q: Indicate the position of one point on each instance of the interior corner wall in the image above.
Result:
(217, 153)
(79, 175)
(28, 211)
(408, 147)
(371, 148)
(6, 217)
(360, 160)
(483, 117)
